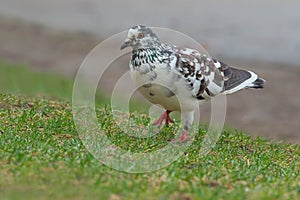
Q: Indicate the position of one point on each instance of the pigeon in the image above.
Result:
(177, 78)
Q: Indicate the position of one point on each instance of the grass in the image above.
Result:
(42, 157)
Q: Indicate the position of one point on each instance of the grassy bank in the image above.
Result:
(42, 157)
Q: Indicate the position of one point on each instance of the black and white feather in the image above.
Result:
(169, 75)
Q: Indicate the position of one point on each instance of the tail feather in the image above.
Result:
(237, 79)
(241, 79)
(257, 84)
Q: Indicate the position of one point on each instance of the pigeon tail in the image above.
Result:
(240, 79)
(257, 84)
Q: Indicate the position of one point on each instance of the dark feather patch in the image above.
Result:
(202, 88)
(235, 78)
(257, 84)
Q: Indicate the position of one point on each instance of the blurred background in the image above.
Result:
(44, 42)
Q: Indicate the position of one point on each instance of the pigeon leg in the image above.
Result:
(188, 118)
(165, 116)
(168, 118)
(183, 136)
(160, 120)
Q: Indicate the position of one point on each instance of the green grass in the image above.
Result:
(42, 157)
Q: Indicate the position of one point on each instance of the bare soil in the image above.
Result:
(273, 112)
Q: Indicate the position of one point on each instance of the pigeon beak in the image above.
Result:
(126, 44)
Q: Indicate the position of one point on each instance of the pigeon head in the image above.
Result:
(140, 37)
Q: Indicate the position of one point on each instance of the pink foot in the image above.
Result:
(165, 116)
(168, 118)
(160, 120)
(183, 136)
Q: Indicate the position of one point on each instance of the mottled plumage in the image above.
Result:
(176, 78)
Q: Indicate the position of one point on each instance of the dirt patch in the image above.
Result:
(272, 112)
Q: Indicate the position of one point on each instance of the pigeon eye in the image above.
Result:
(140, 35)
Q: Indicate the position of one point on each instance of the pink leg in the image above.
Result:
(168, 118)
(160, 120)
(165, 116)
(183, 136)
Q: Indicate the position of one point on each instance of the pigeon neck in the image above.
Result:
(147, 56)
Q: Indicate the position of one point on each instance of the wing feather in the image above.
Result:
(200, 73)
